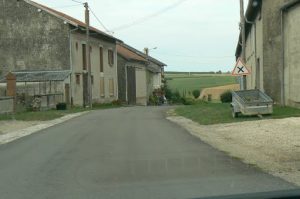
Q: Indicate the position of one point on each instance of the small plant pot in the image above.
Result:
(61, 106)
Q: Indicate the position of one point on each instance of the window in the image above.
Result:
(101, 59)
(110, 57)
(92, 79)
(83, 57)
(76, 46)
(77, 79)
(102, 91)
(91, 49)
(111, 87)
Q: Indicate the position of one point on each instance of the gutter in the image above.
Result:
(39, 6)
(255, 42)
(71, 63)
(282, 59)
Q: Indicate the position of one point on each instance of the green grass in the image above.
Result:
(52, 114)
(217, 113)
(188, 83)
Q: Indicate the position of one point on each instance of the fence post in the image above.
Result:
(11, 87)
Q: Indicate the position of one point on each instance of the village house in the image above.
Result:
(138, 75)
(273, 48)
(46, 49)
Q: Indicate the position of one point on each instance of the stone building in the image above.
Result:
(139, 75)
(272, 46)
(35, 38)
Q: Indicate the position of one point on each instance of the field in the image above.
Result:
(189, 82)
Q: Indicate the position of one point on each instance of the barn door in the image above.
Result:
(131, 85)
(67, 93)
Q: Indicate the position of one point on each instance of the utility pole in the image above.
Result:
(88, 60)
(243, 33)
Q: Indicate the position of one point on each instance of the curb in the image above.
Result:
(9, 137)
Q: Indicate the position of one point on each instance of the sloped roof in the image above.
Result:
(147, 57)
(250, 15)
(290, 4)
(39, 76)
(128, 54)
(68, 19)
(132, 54)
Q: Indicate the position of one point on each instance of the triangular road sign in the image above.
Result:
(240, 69)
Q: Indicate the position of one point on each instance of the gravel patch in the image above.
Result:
(13, 125)
(272, 145)
(13, 130)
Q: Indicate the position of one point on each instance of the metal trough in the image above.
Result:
(251, 102)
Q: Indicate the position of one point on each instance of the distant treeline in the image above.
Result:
(195, 73)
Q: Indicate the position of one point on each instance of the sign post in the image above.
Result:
(241, 70)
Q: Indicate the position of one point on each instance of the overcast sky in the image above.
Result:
(190, 35)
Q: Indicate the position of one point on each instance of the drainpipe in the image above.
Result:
(71, 63)
(126, 84)
(255, 43)
(282, 60)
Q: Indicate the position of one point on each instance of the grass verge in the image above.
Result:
(52, 114)
(216, 113)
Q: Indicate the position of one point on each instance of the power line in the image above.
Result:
(77, 1)
(193, 56)
(97, 18)
(145, 18)
(66, 6)
(175, 55)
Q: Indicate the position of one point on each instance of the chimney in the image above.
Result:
(146, 51)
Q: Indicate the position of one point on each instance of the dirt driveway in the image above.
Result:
(13, 125)
(272, 145)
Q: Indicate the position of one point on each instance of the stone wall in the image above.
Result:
(31, 39)
(6, 105)
(291, 55)
(272, 56)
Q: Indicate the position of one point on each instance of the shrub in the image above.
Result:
(153, 100)
(187, 101)
(36, 104)
(196, 94)
(168, 93)
(168, 78)
(176, 98)
(61, 106)
(226, 97)
(116, 102)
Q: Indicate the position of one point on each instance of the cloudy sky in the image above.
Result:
(190, 35)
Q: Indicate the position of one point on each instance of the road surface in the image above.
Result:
(130, 153)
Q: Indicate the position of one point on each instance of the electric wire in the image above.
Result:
(148, 17)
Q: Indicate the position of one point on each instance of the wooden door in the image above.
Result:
(131, 85)
(67, 93)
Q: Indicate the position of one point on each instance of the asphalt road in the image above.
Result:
(130, 153)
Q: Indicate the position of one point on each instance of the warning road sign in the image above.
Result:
(240, 69)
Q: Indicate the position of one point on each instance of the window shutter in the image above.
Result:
(83, 56)
(111, 57)
(111, 87)
(102, 88)
(101, 59)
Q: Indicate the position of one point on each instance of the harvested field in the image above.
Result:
(214, 93)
